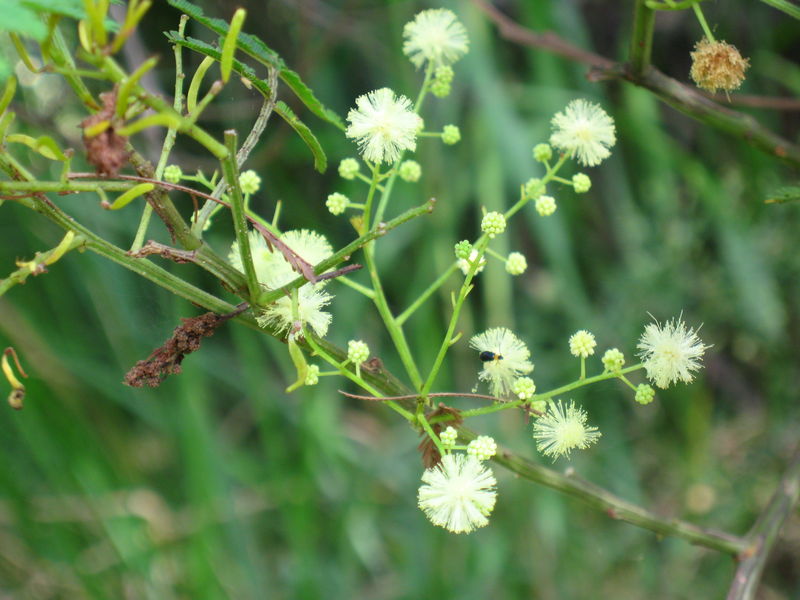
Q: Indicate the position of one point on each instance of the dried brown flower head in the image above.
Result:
(717, 66)
(106, 150)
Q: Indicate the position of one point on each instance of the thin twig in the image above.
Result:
(681, 97)
(764, 534)
(415, 396)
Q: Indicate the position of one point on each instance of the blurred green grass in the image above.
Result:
(217, 484)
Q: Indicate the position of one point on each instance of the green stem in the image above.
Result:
(486, 410)
(431, 434)
(361, 289)
(169, 139)
(447, 341)
(354, 377)
(231, 172)
(403, 317)
(698, 12)
(644, 20)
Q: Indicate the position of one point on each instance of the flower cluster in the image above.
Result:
(384, 125)
(562, 429)
(670, 352)
(505, 357)
(585, 131)
(274, 271)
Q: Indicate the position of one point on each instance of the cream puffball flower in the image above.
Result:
(584, 130)
(562, 429)
(274, 271)
(504, 356)
(436, 36)
(383, 125)
(458, 493)
(670, 352)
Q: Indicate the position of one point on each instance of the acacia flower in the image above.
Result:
(383, 125)
(505, 357)
(670, 352)
(717, 65)
(562, 429)
(435, 35)
(458, 493)
(274, 271)
(584, 130)
(582, 344)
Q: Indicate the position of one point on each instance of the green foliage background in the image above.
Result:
(218, 484)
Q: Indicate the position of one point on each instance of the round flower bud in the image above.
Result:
(581, 183)
(542, 152)
(545, 205)
(717, 65)
(349, 168)
(613, 360)
(357, 351)
(482, 447)
(644, 394)
(463, 249)
(493, 223)
(444, 74)
(410, 171)
(249, 181)
(516, 264)
(582, 344)
(312, 375)
(448, 437)
(337, 203)
(523, 388)
(451, 134)
(440, 89)
(534, 188)
(540, 406)
(173, 174)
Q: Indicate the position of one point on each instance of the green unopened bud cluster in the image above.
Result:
(173, 174)
(482, 447)
(542, 153)
(337, 203)
(410, 171)
(523, 388)
(516, 263)
(451, 134)
(534, 188)
(448, 437)
(441, 84)
(349, 168)
(249, 181)
(644, 394)
(463, 249)
(582, 343)
(581, 183)
(312, 375)
(357, 351)
(493, 223)
(613, 360)
(545, 205)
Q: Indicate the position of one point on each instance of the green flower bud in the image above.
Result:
(451, 135)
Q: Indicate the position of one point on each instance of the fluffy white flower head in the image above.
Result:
(458, 493)
(274, 271)
(584, 130)
(435, 35)
(562, 429)
(670, 352)
(504, 356)
(383, 125)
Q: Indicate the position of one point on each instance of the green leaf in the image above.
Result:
(5, 70)
(68, 8)
(253, 46)
(787, 7)
(790, 193)
(23, 20)
(320, 160)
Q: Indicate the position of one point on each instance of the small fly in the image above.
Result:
(488, 355)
